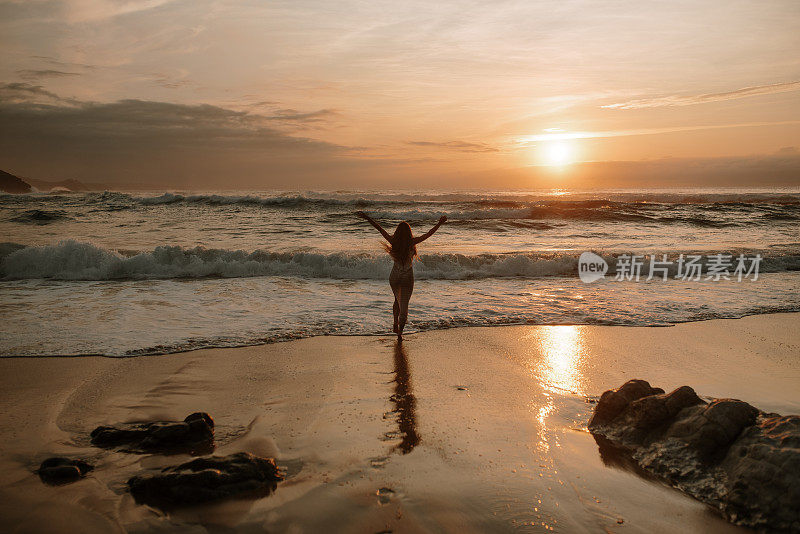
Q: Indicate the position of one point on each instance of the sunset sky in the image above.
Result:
(394, 94)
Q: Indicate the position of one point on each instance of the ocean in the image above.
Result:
(127, 274)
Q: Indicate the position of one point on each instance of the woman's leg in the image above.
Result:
(396, 306)
(403, 295)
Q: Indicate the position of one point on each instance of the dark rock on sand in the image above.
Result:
(202, 480)
(57, 471)
(726, 453)
(195, 435)
(12, 184)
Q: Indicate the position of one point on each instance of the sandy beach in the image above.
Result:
(461, 430)
(399, 267)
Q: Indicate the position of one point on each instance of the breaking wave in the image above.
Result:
(72, 260)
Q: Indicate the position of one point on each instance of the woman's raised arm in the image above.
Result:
(377, 226)
(430, 232)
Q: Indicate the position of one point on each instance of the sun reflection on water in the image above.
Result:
(557, 356)
(562, 351)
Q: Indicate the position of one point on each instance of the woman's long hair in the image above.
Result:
(402, 246)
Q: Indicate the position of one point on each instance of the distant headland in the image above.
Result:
(10, 183)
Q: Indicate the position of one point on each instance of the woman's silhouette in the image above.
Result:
(402, 248)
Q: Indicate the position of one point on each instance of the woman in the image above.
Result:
(402, 248)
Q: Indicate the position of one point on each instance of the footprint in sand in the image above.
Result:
(384, 495)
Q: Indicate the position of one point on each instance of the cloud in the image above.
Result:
(171, 81)
(292, 115)
(459, 146)
(24, 98)
(63, 64)
(140, 140)
(79, 11)
(760, 170)
(691, 100)
(32, 74)
(271, 110)
(94, 10)
(259, 104)
(766, 170)
(525, 139)
(26, 93)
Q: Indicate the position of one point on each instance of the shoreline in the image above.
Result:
(388, 335)
(473, 429)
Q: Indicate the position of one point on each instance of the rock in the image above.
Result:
(214, 478)
(612, 402)
(726, 453)
(12, 184)
(709, 429)
(57, 471)
(763, 468)
(194, 435)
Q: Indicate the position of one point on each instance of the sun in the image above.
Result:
(557, 154)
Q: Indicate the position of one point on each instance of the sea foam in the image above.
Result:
(73, 260)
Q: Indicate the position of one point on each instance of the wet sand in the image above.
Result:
(464, 430)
